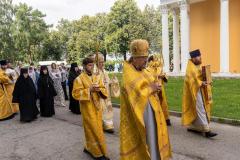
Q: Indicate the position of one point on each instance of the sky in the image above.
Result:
(74, 9)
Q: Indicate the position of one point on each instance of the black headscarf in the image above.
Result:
(45, 77)
(73, 66)
(42, 69)
(45, 81)
(23, 71)
(72, 73)
(23, 84)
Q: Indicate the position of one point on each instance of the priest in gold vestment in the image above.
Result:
(195, 109)
(7, 108)
(10, 87)
(143, 129)
(106, 104)
(88, 89)
(155, 66)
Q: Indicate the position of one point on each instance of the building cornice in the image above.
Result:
(174, 2)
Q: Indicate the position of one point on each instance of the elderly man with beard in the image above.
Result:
(143, 129)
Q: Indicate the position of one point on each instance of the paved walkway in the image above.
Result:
(62, 138)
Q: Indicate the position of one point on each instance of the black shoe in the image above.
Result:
(192, 130)
(98, 158)
(87, 152)
(102, 158)
(168, 122)
(111, 131)
(210, 134)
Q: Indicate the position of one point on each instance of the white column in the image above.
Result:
(185, 34)
(176, 53)
(224, 36)
(165, 38)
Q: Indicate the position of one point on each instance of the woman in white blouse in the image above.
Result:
(57, 78)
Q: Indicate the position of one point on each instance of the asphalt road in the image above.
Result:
(62, 138)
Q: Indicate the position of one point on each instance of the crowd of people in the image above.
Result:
(144, 114)
(24, 88)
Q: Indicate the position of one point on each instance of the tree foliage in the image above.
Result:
(6, 20)
(124, 26)
(25, 36)
(30, 30)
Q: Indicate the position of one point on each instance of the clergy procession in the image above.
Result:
(144, 115)
(119, 80)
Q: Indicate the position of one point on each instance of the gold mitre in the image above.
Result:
(155, 60)
(94, 57)
(100, 57)
(139, 48)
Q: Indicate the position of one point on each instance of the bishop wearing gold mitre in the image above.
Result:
(195, 106)
(155, 66)
(143, 129)
(89, 89)
(106, 104)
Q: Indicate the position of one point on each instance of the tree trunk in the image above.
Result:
(125, 56)
(105, 56)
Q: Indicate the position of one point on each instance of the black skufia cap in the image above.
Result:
(195, 53)
(3, 62)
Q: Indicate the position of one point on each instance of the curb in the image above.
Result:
(232, 122)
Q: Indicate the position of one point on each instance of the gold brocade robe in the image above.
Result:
(106, 104)
(192, 84)
(136, 93)
(6, 107)
(91, 114)
(164, 103)
(10, 88)
(162, 97)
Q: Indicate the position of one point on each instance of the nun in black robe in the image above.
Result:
(74, 72)
(46, 93)
(25, 95)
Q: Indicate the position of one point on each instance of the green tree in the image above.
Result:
(81, 42)
(151, 21)
(30, 30)
(52, 48)
(24, 35)
(6, 21)
(80, 45)
(65, 31)
(87, 33)
(124, 26)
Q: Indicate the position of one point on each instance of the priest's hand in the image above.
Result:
(156, 87)
(95, 88)
(204, 83)
(161, 76)
(92, 89)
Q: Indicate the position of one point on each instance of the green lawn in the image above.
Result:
(226, 96)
